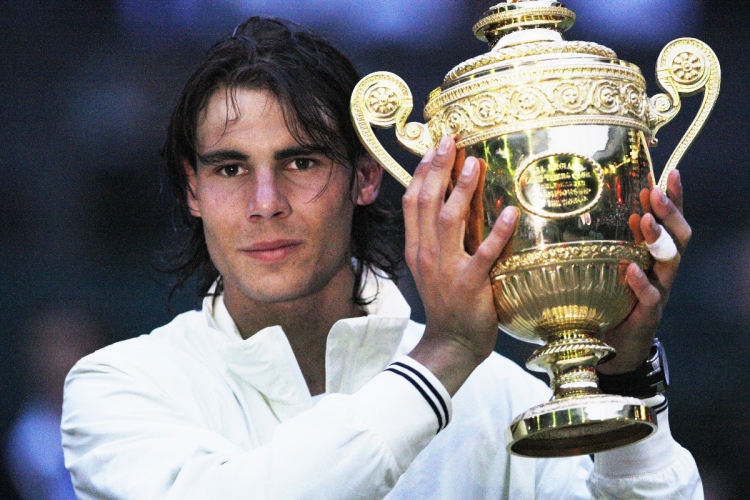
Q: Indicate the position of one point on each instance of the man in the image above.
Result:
(302, 377)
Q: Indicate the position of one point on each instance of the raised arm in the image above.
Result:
(454, 286)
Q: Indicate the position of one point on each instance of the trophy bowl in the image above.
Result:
(562, 131)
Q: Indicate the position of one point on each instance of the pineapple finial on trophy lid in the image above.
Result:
(547, 20)
(562, 130)
(519, 28)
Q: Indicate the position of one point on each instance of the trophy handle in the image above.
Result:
(383, 99)
(686, 66)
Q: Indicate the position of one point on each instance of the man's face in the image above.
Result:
(276, 215)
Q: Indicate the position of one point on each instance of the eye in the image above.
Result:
(301, 163)
(229, 170)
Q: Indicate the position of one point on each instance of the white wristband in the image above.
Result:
(663, 249)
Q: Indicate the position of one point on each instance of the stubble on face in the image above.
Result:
(277, 216)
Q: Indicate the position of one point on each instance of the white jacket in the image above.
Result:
(192, 411)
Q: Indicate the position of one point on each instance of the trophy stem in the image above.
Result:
(579, 419)
(570, 358)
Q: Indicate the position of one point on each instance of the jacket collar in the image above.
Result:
(357, 349)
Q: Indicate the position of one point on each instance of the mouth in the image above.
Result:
(271, 251)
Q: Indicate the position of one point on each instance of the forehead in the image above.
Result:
(240, 114)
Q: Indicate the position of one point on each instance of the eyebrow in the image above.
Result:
(296, 151)
(223, 155)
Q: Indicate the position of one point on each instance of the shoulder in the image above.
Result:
(165, 374)
(155, 393)
(153, 356)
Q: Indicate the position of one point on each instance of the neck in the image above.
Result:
(306, 321)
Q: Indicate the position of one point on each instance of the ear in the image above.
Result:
(369, 177)
(191, 183)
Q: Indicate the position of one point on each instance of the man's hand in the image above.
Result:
(632, 338)
(454, 286)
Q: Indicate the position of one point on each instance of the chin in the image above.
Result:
(281, 289)
(286, 284)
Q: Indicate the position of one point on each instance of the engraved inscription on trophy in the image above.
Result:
(563, 129)
(559, 185)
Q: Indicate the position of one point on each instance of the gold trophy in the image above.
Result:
(561, 130)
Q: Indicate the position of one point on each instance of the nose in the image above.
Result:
(266, 198)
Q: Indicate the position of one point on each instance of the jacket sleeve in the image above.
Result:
(124, 438)
(655, 468)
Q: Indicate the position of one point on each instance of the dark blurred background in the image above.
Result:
(86, 89)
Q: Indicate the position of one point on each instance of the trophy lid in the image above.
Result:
(522, 28)
(517, 15)
(530, 74)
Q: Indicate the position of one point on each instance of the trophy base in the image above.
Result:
(580, 425)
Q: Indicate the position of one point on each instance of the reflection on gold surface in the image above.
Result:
(562, 130)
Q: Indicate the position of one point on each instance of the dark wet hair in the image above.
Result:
(313, 82)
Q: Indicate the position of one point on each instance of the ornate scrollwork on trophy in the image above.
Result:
(571, 97)
(529, 49)
(383, 99)
(607, 97)
(685, 66)
(528, 103)
(579, 251)
(562, 130)
(488, 109)
(500, 105)
(456, 121)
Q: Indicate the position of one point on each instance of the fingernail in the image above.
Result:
(508, 215)
(428, 156)
(445, 143)
(679, 178)
(639, 273)
(470, 167)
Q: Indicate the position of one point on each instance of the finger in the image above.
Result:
(646, 293)
(667, 262)
(649, 297)
(488, 252)
(634, 222)
(674, 189)
(664, 272)
(650, 229)
(411, 211)
(632, 348)
(432, 194)
(453, 216)
(658, 240)
(645, 201)
(670, 216)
